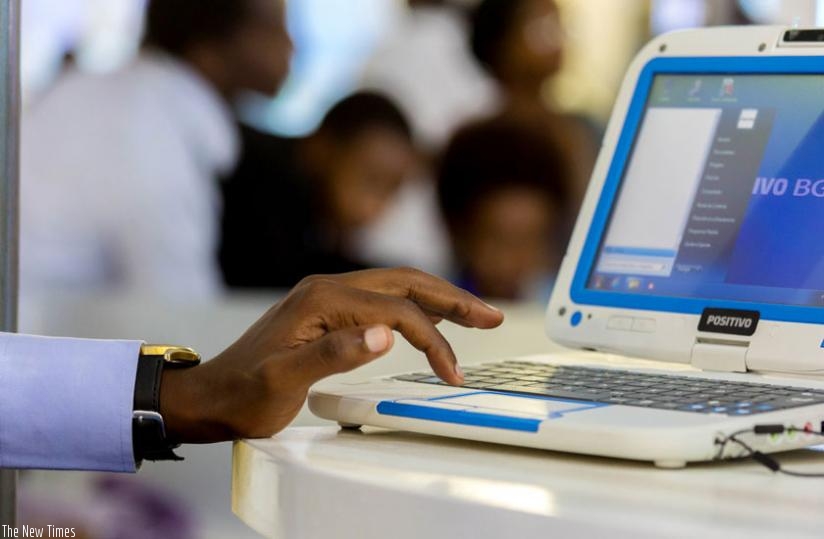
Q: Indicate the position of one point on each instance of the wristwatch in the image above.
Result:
(148, 428)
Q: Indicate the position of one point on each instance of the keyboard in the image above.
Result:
(630, 388)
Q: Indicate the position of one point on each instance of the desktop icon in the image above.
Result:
(727, 87)
(747, 118)
(633, 283)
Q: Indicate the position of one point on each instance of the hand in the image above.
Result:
(326, 325)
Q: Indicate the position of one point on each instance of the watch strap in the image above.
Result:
(147, 385)
(148, 430)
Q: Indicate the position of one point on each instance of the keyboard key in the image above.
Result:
(575, 395)
(534, 378)
(519, 382)
(762, 398)
(694, 409)
(497, 380)
(666, 405)
(641, 402)
(415, 377)
(617, 400)
(478, 385)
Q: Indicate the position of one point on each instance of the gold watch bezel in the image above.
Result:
(175, 355)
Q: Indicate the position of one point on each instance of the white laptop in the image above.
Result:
(700, 243)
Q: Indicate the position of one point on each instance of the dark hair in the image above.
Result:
(175, 25)
(361, 111)
(495, 154)
(491, 22)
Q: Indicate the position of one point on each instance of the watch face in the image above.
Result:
(172, 355)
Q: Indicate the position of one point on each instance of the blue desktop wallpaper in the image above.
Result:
(781, 241)
(778, 253)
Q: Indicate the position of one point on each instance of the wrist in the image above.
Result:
(189, 408)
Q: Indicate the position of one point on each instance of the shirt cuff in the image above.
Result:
(67, 403)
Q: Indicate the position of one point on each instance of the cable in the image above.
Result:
(762, 458)
(722, 443)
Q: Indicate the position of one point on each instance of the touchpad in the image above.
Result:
(513, 404)
(486, 409)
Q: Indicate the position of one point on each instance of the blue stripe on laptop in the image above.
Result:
(458, 417)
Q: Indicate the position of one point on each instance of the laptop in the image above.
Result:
(700, 247)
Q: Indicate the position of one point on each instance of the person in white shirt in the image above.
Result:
(120, 172)
(425, 65)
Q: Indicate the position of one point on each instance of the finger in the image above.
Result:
(433, 294)
(347, 307)
(435, 319)
(340, 351)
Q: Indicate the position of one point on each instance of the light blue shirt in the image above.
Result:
(66, 403)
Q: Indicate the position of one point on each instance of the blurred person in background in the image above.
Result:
(521, 44)
(504, 197)
(119, 190)
(293, 204)
(426, 66)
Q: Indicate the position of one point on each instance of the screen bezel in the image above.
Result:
(732, 65)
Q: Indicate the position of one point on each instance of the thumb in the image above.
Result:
(342, 351)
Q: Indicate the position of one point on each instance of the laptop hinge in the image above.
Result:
(720, 355)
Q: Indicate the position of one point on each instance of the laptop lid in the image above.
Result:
(701, 239)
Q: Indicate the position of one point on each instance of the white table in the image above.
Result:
(322, 482)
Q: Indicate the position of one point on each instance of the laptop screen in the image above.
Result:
(722, 194)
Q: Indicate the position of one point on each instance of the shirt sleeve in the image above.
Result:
(66, 403)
